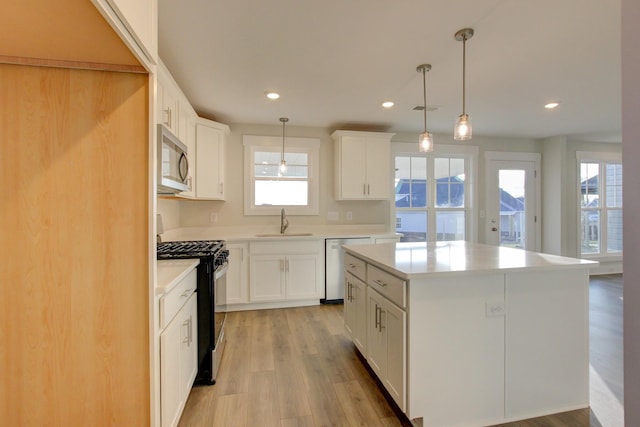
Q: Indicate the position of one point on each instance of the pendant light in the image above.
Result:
(283, 163)
(425, 141)
(463, 129)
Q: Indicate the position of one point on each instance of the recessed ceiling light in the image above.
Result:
(272, 95)
(551, 105)
(388, 104)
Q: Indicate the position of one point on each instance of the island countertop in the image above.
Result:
(424, 259)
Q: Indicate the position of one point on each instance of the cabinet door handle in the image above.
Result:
(186, 293)
(352, 265)
(368, 189)
(167, 111)
(381, 325)
(364, 189)
(380, 282)
(185, 324)
(377, 320)
(222, 188)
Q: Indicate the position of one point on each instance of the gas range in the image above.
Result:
(192, 249)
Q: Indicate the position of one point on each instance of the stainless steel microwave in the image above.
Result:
(173, 164)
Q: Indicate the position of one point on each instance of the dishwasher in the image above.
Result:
(334, 268)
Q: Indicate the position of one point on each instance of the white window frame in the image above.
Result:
(602, 158)
(311, 146)
(467, 152)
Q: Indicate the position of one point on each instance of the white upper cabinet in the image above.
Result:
(136, 22)
(211, 142)
(362, 165)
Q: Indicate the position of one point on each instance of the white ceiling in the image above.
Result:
(335, 61)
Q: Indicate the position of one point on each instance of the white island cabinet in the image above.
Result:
(464, 334)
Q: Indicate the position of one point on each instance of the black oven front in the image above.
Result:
(211, 315)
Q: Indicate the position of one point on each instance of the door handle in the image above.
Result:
(494, 228)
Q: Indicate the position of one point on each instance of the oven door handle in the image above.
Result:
(221, 270)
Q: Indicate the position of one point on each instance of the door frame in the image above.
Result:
(536, 159)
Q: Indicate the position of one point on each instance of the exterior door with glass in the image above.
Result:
(512, 194)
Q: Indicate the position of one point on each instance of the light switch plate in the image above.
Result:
(332, 216)
(495, 309)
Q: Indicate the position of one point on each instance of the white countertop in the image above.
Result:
(424, 259)
(171, 272)
(245, 233)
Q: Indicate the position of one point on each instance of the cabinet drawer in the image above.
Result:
(355, 266)
(388, 285)
(171, 303)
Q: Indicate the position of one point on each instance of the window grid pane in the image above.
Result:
(601, 223)
(614, 230)
(613, 180)
(589, 185)
(274, 188)
(450, 225)
(450, 179)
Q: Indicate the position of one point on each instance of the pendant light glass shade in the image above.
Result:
(283, 163)
(425, 141)
(462, 129)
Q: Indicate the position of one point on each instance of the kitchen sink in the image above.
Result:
(284, 235)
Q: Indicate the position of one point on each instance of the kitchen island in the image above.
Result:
(465, 334)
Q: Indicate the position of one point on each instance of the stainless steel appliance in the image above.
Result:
(334, 267)
(173, 165)
(211, 298)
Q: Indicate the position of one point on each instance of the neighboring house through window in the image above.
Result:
(433, 196)
(600, 196)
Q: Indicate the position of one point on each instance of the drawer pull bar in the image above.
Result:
(380, 282)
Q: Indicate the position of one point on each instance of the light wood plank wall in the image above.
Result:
(74, 281)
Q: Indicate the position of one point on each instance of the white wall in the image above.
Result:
(170, 211)
(230, 212)
(630, 161)
(554, 189)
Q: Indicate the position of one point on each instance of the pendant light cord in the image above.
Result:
(424, 88)
(464, 67)
(283, 120)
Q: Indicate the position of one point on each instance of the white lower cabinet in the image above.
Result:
(355, 310)
(282, 271)
(267, 277)
(178, 350)
(386, 343)
(237, 280)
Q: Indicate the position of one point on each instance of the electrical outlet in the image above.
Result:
(495, 309)
(349, 216)
(332, 216)
(213, 218)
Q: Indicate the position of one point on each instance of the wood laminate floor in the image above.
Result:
(296, 367)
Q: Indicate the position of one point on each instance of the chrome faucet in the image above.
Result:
(284, 222)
